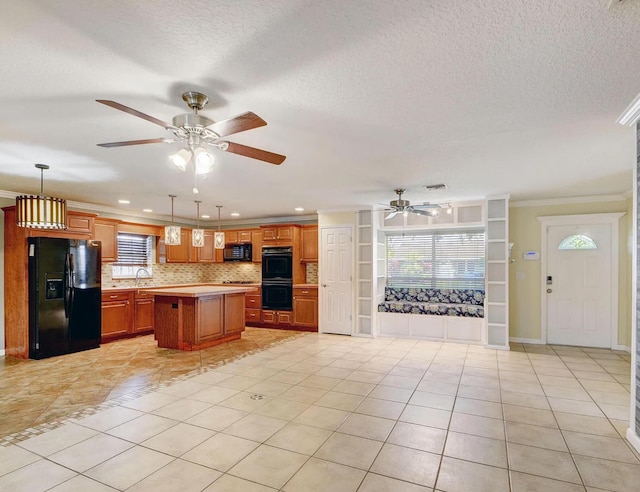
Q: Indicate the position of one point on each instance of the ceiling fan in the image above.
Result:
(199, 131)
(404, 206)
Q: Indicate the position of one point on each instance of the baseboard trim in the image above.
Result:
(624, 348)
(534, 341)
(1, 352)
(633, 439)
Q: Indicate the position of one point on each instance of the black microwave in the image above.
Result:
(237, 252)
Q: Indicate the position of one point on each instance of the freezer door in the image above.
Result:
(48, 326)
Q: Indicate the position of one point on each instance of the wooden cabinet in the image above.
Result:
(80, 222)
(106, 231)
(305, 307)
(278, 235)
(256, 246)
(282, 319)
(117, 314)
(180, 253)
(253, 308)
(237, 237)
(186, 253)
(309, 244)
(143, 312)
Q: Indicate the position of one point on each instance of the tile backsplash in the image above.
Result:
(194, 273)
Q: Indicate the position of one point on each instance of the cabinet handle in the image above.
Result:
(113, 297)
(305, 291)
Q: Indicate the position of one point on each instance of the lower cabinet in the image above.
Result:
(126, 313)
(305, 307)
(117, 314)
(253, 308)
(281, 319)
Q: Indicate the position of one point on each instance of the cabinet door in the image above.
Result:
(231, 237)
(256, 246)
(305, 311)
(116, 318)
(253, 316)
(80, 222)
(143, 314)
(180, 253)
(269, 316)
(244, 237)
(269, 234)
(309, 244)
(107, 233)
(210, 314)
(285, 233)
(234, 312)
(284, 317)
(207, 253)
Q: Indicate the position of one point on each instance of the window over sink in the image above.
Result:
(135, 256)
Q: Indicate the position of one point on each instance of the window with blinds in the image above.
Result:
(134, 249)
(445, 259)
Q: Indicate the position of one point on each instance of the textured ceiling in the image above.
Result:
(488, 96)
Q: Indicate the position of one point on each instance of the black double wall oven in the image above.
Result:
(277, 278)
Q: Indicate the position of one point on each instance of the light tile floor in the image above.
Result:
(332, 413)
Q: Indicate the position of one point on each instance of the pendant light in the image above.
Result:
(197, 234)
(41, 212)
(172, 233)
(218, 237)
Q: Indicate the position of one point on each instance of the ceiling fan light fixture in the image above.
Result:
(203, 161)
(41, 212)
(181, 158)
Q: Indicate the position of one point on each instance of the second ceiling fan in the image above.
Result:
(404, 206)
(199, 131)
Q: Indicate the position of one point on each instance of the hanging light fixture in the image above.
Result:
(218, 237)
(197, 234)
(41, 212)
(172, 233)
(198, 155)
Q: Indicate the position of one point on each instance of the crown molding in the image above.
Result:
(571, 199)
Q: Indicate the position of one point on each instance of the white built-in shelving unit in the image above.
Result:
(497, 272)
(366, 268)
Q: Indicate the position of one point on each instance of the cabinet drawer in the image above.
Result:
(115, 296)
(253, 301)
(305, 292)
(141, 294)
(253, 315)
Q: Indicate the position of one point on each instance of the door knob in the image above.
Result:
(324, 285)
(549, 291)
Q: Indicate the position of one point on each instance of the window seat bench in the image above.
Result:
(435, 314)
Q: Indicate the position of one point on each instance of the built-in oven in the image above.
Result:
(277, 263)
(277, 295)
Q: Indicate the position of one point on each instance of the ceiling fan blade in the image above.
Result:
(427, 206)
(420, 212)
(137, 113)
(391, 215)
(261, 155)
(135, 142)
(242, 122)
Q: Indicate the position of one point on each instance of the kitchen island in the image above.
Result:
(198, 316)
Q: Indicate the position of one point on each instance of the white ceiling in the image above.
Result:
(488, 96)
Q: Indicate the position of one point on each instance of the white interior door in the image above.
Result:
(336, 283)
(578, 294)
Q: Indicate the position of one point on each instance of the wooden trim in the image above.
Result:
(145, 229)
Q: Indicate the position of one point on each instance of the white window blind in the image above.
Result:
(451, 259)
(133, 249)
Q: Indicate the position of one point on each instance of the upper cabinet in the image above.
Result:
(309, 244)
(237, 237)
(80, 222)
(281, 235)
(256, 246)
(186, 253)
(208, 253)
(106, 231)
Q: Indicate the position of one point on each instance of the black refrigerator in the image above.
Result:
(64, 296)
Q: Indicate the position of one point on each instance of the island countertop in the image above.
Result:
(197, 290)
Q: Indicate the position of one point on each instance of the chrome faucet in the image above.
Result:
(138, 272)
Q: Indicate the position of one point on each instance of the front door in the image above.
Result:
(578, 285)
(336, 284)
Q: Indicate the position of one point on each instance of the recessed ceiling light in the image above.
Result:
(235, 214)
(124, 202)
(147, 210)
(204, 216)
(299, 209)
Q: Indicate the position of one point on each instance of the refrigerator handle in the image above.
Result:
(67, 285)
